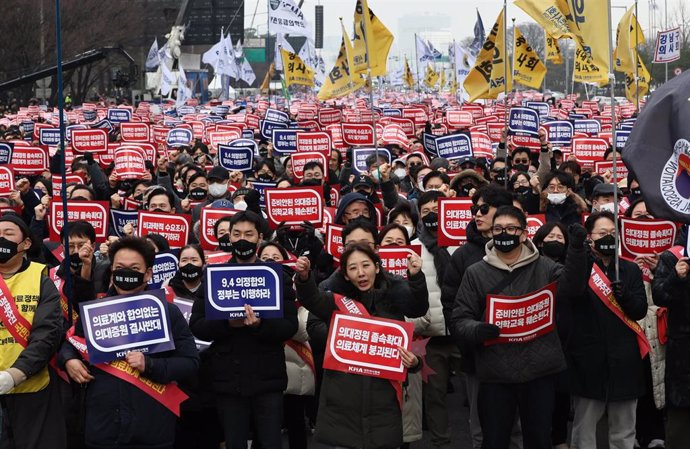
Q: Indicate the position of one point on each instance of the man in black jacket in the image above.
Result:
(516, 376)
(248, 366)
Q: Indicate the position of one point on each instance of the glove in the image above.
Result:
(617, 290)
(577, 235)
(148, 164)
(308, 229)
(88, 157)
(487, 331)
(6, 382)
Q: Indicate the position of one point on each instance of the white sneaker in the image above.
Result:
(656, 444)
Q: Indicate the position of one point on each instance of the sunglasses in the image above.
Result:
(484, 209)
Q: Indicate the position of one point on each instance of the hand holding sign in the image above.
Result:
(408, 358)
(136, 360)
(302, 267)
(414, 264)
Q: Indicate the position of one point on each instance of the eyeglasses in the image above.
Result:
(556, 188)
(521, 161)
(510, 229)
(521, 183)
(484, 209)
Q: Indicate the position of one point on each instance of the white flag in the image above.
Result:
(153, 60)
(281, 42)
(284, 16)
(167, 79)
(320, 73)
(424, 53)
(395, 76)
(212, 56)
(308, 54)
(183, 92)
(247, 74)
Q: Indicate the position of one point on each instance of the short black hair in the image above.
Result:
(389, 227)
(199, 250)
(520, 150)
(278, 246)
(226, 219)
(158, 192)
(80, 228)
(83, 187)
(511, 211)
(435, 174)
(136, 244)
(498, 159)
(493, 195)
(364, 225)
(633, 205)
(429, 197)
(595, 216)
(160, 242)
(414, 155)
(194, 176)
(546, 229)
(371, 159)
(268, 163)
(573, 166)
(404, 208)
(312, 165)
(564, 178)
(246, 216)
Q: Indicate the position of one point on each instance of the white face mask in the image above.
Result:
(376, 176)
(400, 173)
(217, 190)
(241, 205)
(606, 207)
(410, 230)
(556, 198)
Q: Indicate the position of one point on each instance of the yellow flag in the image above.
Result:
(267, 78)
(528, 69)
(553, 51)
(340, 81)
(407, 76)
(442, 81)
(378, 36)
(486, 79)
(431, 77)
(624, 55)
(643, 80)
(295, 70)
(550, 14)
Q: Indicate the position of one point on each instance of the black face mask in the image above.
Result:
(311, 182)
(505, 242)
(224, 244)
(466, 189)
(191, 272)
(520, 167)
(636, 192)
(125, 185)
(265, 178)
(522, 191)
(8, 249)
(500, 178)
(553, 249)
(75, 261)
(127, 280)
(138, 197)
(198, 193)
(158, 210)
(243, 249)
(430, 221)
(606, 246)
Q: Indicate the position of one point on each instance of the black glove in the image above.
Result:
(88, 157)
(577, 235)
(617, 289)
(148, 164)
(487, 331)
(308, 229)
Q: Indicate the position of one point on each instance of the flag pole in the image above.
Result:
(416, 62)
(347, 57)
(666, 25)
(637, 75)
(365, 17)
(612, 83)
(63, 168)
(505, 85)
(268, 35)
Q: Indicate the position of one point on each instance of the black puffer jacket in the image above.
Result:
(604, 360)
(670, 291)
(247, 361)
(358, 411)
(516, 362)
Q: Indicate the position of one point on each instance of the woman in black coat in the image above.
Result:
(357, 411)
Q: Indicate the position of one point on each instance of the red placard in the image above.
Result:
(355, 134)
(314, 142)
(532, 143)
(130, 162)
(328, 116)
(6, 180)
(367, 346)
(534, 222)
(252, 121)
(481, 145)
(394, 258)
(589, 150)
(216, 138)
(336, 133)
(522, 318)
(135, 132)
(334, 241)
(459, 119)
(95, 212)
(174, 227)
(418, 115)
(57, 182)
(160, 134)
(91, 140)
(454, 214)
(646, 237)
(406, 124)
(393, 134)
(294, 206)
(28, 160)
(495, 130)
(209, 217)
(602, 167)
(236, 127)
(476, 109)
(300, 159)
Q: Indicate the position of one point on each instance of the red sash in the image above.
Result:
(601, 286)
(18, 326)
(304, 352)
(169, 395)
(677, 251)
(350, 306)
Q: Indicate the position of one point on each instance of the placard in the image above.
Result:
(394, 258)
(602, 167)
(459, 119)
(120, 218)
(6, 180)
(314, 142)
(275, 115)
(641, 237)
(481, 145)
(27, 160)
(6, 152)
(119, 115)
(49, 136)
(216, 138)
(334, 241)
(534, 222)
(230, 286)
(95, 212)
(209, 217)
(299, 160)
(560, 132)
(135, 132)
(235, 158)
(179, 137)
(367, 346)
(130, 162)
(328, 116)
(523, 122)
(267, 127)
(454, 146)
(355, 134)
(360, 156)
(522, 318)
(454, 215)
(294, 206)
(57, 182)
(589, 150)
(590, 127)
(542, 108)
(174, 227)
(164, 268)
(117, 325)
(285, 141)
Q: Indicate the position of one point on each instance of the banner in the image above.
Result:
(130, 162)
(560, 132)
(119, 115)
(230, 286)
(285, 141)
(164, 268)
(340, 80)
(208, 218)
(174, 227)
(355, 134)
(94, 212)
(29, 160)
(334, 241)
(117, 325)
(120, 218)
(667, 46)
(589, 150)
(236, 158)
(295, 70)
(368, 29)
(394, 258)
(454, 215)
(179, 137)
(553, 51)
(360, 156)
(646, 237)
(6, 180)
(294, 206)
(367, 346)
(135, 132)
(523, 122)
(528, 69)
(454, 146)
(522, 318)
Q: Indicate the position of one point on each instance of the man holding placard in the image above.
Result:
(248, 370)
(133, 401)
